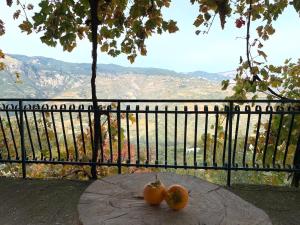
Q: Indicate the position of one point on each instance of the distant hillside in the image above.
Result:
(43, 63)
(218, 77)
(49, 78)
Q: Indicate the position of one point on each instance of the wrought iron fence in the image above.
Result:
(226, 135)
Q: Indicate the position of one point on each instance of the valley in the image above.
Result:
(39, 77)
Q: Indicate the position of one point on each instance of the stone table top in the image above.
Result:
(116, 200)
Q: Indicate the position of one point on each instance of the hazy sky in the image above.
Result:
(183, 51)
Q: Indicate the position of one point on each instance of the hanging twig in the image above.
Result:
(211, 23)
(23, 7)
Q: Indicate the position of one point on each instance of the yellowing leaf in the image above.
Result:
(172, 27)
(26, 26)
(269, 29)
(2, 66)
(259, 30)
(263, 54)
(1, 54)
(104, 47)
(199, 21)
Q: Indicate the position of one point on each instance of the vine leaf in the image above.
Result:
(263, 54)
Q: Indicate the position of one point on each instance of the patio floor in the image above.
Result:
(54, 202)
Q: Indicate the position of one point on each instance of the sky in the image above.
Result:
(183, 51)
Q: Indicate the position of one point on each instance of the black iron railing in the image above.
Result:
(191, 134)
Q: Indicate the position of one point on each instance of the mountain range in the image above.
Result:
(41, 77)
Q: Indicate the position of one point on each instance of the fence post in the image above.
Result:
(119, 137)
(230, 117)
(296, 175)
(23, 150)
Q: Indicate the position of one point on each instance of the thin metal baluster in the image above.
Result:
(17, 117)
(91, 126)
(248, 109)
(101, 111)
(216, 135)
(185, 135)
(63, 107)
(22, 141)
(119, 122)
(128, 133)
(237, 109)
(54, 107)
(230, 117)
(1, 140)
(137, 135)
(225, 135)
(147, 134)
(156, 136)
(195, 134)
(175, 136)
(288, 139)
(166, 136)
(257, 109)
(269, 109)
(278, 135)
(5, 140)
(81, 107)
(205, 135)
(109, 133)
(72, 107)
(37, 130)
(46, 129)
(29, 133)
(12, 135)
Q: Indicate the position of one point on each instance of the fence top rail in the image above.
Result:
(154, 100)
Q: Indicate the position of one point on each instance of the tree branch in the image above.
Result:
(255, 76)
(94, 29)
(23, 7)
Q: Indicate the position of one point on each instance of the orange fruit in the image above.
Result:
(154, 192)
(177, 197)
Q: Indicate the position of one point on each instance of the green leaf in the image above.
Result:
(207, 16)
(225, 84)
(296, 4)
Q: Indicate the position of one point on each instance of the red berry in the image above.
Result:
(238, 23)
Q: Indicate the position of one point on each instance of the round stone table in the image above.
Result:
(117, 200)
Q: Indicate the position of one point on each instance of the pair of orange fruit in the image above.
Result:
(176, 195)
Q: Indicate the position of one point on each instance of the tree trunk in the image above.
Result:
(94, 28)
(296, 175)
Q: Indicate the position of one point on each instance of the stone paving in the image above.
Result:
(54, 202)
